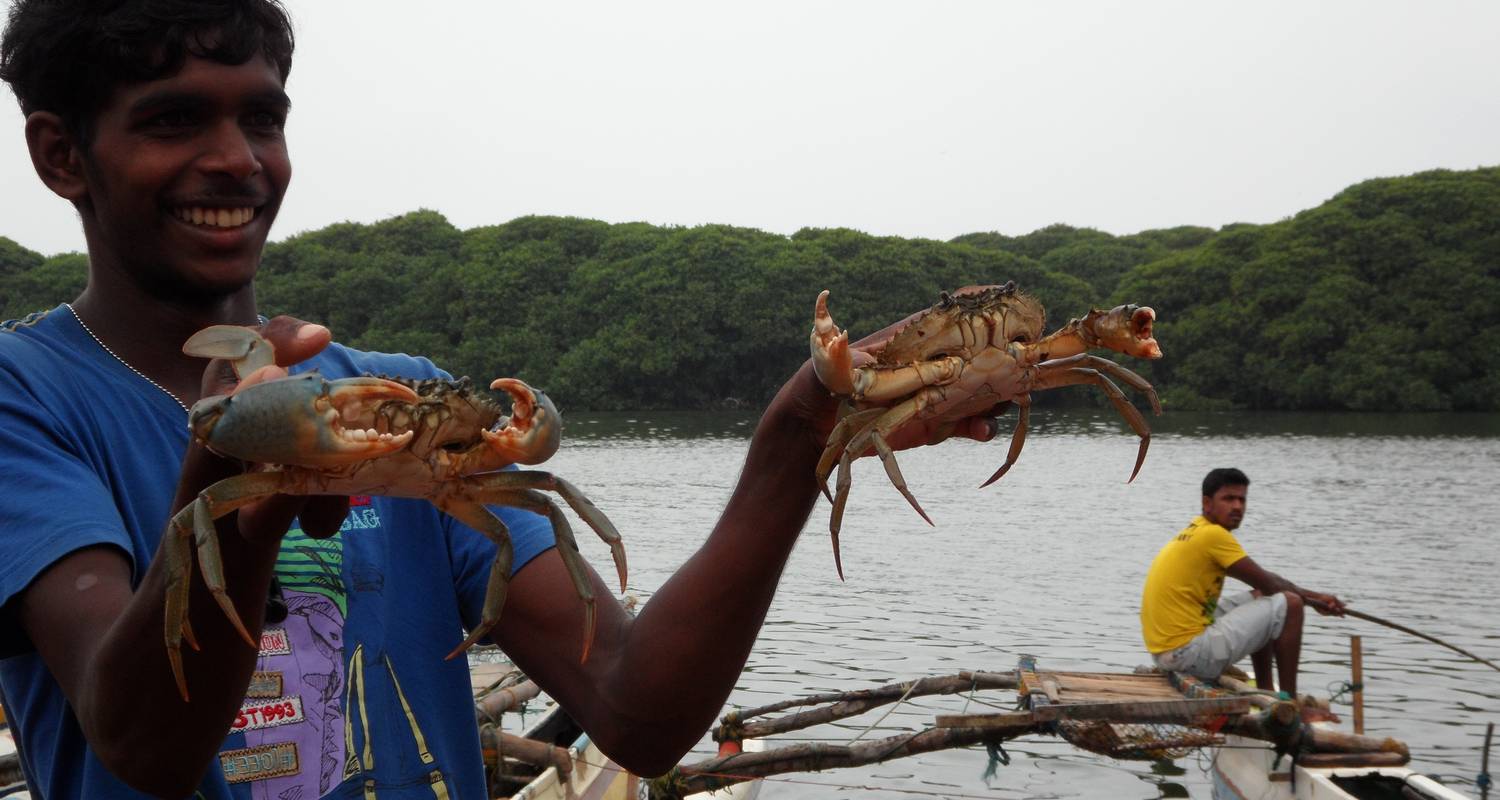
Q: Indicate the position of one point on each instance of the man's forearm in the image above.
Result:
(130, 698)
(705, 618)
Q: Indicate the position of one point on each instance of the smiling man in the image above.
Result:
(162, 123)
(1190, 627)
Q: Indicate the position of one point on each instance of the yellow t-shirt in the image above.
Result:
(1183, 584)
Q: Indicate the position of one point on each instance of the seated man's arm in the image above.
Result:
(1269, 583)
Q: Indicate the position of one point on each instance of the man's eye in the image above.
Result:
(267, 119)
(171, 119)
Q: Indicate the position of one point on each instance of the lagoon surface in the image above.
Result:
(1394, 513)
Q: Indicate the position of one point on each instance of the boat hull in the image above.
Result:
(1243, 770)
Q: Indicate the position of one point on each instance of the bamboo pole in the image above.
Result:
(1281, 725)
(848, 704)
(500, 744)
(718, 772)
(1395, 626)
(1356, 658)
(499, 701)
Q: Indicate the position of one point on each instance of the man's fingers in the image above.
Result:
(982, 429)
(295, 340)
(292, 341)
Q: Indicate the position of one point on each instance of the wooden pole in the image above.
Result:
(1484, 764)
(1356, 659)
(499, 701)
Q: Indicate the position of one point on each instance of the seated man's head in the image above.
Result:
(161, 122)
(1224, 491)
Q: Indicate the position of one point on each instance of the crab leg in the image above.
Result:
(875, 435)
(1017, 438)
(841, 494)
(196, 522)
(838, 438)
(567, 548)
(581, 505)
(880, 385)
(1062, 372)
(483, 520)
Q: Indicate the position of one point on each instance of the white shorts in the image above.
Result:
(1243, 624)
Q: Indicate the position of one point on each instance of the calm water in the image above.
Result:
(1391, 512)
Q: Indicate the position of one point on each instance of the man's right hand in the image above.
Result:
(293, 341)
(1325, 604)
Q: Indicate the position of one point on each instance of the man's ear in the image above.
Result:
(56, 155)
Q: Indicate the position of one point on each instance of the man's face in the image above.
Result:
(185, 175)
(1226, 507)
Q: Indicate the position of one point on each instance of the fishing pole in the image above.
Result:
(1396, 626)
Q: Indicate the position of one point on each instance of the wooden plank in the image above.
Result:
(1068, 681)
(1160, 711)
(1182, 710)
(1010, 720)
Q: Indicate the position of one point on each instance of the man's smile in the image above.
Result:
(212, 217)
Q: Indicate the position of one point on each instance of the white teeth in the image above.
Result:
(215, 217)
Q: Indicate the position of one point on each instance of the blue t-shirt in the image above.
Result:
(350, 690)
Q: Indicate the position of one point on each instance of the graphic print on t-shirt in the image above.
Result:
(292, 716)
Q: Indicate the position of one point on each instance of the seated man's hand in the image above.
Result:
(1325, 604)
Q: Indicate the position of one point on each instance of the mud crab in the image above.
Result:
(977, 349)
(434, 439)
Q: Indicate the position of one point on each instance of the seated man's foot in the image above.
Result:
(1315, 710)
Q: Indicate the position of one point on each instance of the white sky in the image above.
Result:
(917, 118)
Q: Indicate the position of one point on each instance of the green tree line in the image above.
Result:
(1386, 297)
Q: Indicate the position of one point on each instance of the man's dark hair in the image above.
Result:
(68, 56)
(1217, 479)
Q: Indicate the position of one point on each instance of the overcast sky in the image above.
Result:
(918, 118)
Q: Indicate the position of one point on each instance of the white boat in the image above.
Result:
(12, 785)
(1247, 769)
(592, 776)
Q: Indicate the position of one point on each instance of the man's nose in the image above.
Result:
(230, 152)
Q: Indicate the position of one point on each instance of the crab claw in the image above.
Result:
(830, 350)
(299, 420)
(534, 430)
(1125, 329)
(246, 350)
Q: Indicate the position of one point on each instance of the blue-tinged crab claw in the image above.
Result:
(246, 350)
(534, 430)
(299, 420)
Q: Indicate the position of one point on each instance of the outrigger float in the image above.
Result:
(1265, 747)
